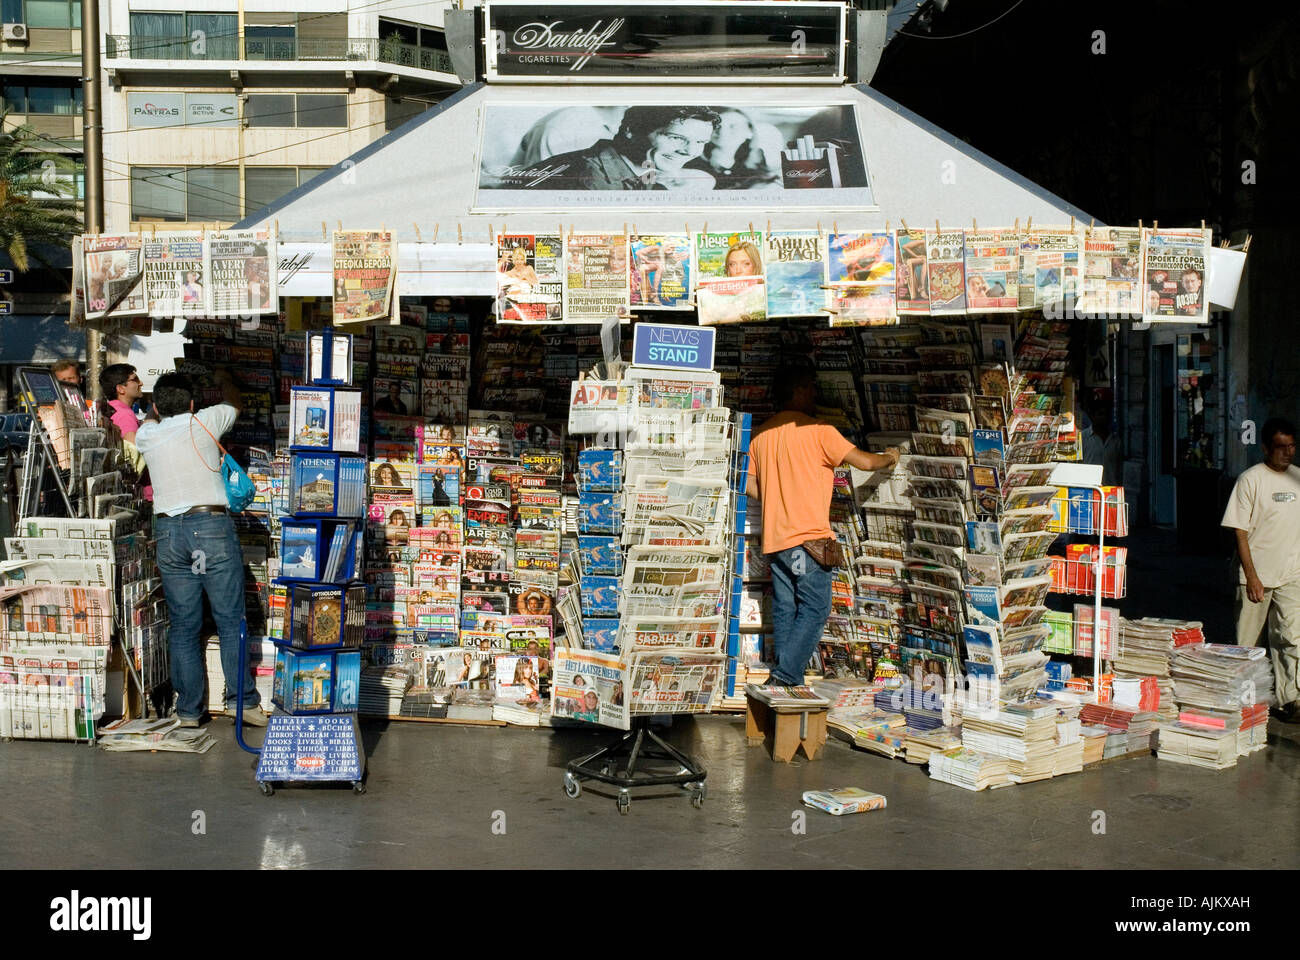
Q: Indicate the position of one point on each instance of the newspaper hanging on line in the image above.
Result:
(1173, 268)
(1049, 267)
(113, 275)
(242, 273)
(77, 310)
(530, 279)
(174, 279)
(590, 686)
(796, 273)
(992, 265)
(860, 271)
(729, 283)
(913, 272)
(659, 271)
(1112, 267)
(595, 277)
(947, 272)
(363, 275)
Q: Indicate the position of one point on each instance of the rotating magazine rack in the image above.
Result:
(656, 533)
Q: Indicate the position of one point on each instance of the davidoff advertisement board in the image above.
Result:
(664, 41)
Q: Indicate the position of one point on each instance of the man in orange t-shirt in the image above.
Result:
(792, 461)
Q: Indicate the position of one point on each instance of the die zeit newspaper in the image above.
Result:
(1173, 268)
(363, 275)
(595, 277)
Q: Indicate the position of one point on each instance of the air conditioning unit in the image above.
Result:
(15, 33)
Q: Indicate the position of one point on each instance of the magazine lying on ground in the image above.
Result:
(842, 800)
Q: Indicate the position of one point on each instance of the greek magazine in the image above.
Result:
(114, 267)
(729, 284)
(1112, 264)
(1173, 269)
(363, 275)
(796, 273)
(861, 277)
(1049, 267)
(913, 284)
(242, 272)
(659, 271)
(992, 271)
(947, 272)
(530, 279)
(595, 277)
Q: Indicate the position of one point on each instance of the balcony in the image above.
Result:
(279, 50)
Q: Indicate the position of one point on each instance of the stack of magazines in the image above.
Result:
(1217, 680)
(165, 735)
(970, 769)
(922, 744)
(801, 696)
(1024, 734)
(1197, 746)
(1128, 731)
(1146, 649)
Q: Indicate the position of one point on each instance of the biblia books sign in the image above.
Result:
(665, 42)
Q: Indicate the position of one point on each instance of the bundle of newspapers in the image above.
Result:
(1223, 695)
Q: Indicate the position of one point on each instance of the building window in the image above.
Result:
(270, 43)
(184, 36)
(64, 14)
(296, 110)
(265, 185)
(194, 194)
(47, 98)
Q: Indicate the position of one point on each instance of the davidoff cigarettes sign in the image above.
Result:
(665, 41)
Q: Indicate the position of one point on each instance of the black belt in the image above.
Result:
(207, 508)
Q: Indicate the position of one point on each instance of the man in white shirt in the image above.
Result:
(198, 549)
(1264, 511)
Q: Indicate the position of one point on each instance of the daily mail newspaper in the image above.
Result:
(364, 275)
(1112, 264)
(947, 272)
(595, 277)
(992, 271)
(242, 269)
(1173, 269)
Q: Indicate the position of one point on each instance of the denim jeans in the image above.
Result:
(198, 554)
(801, 602)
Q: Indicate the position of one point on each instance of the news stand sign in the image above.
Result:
(661, 41)
(673, 346)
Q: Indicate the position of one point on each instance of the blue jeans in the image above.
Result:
(198, 554)
(801, 602)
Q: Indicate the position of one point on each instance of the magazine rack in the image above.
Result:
(42, 455)
(617, 765)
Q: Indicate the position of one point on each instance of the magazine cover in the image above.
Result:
(1173, 271)
(659, 271)
(112, 275)
(913, 283)
(517, 678)
(796, 273)
(947, 272)
(860, 272)
(729, 284)
(174, 276)
(1112, 266)
(595, 277)
(242, 272)
(1049, 268)
(364, 275)
(530, 279)
(992, 265)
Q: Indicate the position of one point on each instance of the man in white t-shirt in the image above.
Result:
(1264, 511)
(198, 548)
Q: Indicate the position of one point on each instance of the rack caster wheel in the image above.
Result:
(572, 788)
(358, 787)
(699, 792)
(624, 802)
(266, 788)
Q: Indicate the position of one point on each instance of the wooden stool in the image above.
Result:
(785, 730)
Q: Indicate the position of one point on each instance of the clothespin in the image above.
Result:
(904, 223)
(571, 228)
(886, 226)
(835, 226)
(1202, 224)
(1092, 224)
(706, 226)
(277, 229)
(1017, 226)
(1140, 227)
(973, 225)
(634, 230)
(436, 226)
(340, 226)
(324, 231)
(418, 238)
(153, 231)
(562, 232)
(1029, 227)
(769, 228)
(383, 227)
(819, 227)
(460, 238)
(936, 225)
(751, 226)
(1072, 223)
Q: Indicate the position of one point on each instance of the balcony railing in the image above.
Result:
(277, 49)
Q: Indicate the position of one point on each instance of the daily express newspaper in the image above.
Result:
(174, 277)
(913, 284)
(729, 284)
(530, 279)
(1112, 264)
(595, 277)
(1049, 267)
(113, 271)
(363, 275)
(659, 271)
(242, 272)
(947, 272)
(860, 271)
(1173, 269)
(992, 271)
(796, 273)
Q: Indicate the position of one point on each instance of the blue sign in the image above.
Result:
(311, 748)
(673, 346)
